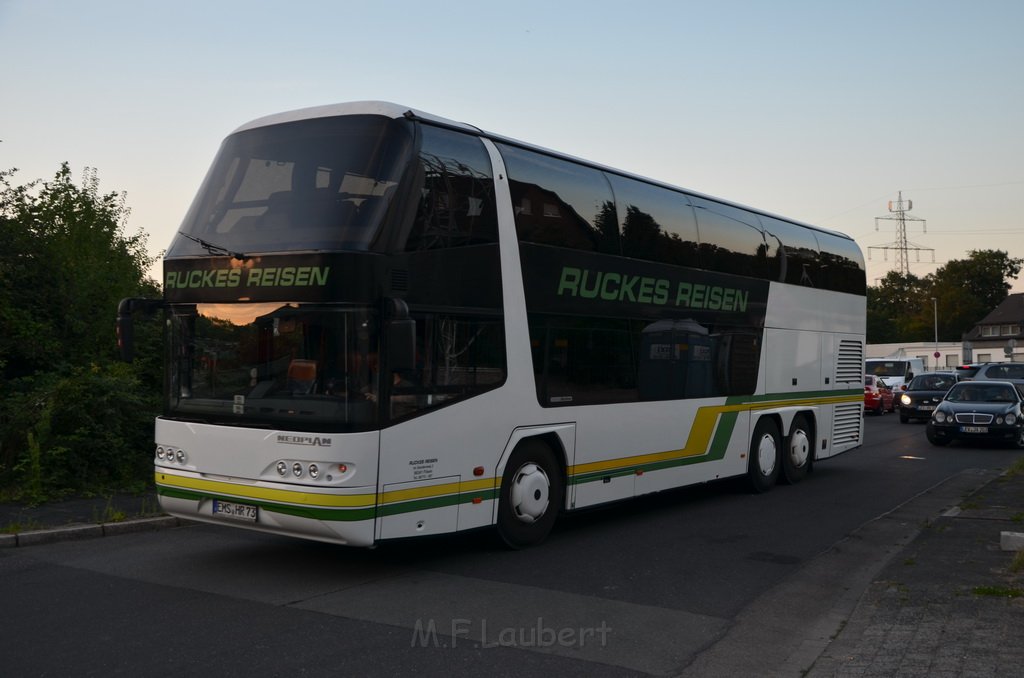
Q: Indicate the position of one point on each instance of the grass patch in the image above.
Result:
(1017, 564)
(910, 561)
(1016, 468)
(998, 591)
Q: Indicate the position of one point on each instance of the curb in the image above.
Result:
(77, 532)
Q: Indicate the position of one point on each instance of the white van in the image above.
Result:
(895, 372)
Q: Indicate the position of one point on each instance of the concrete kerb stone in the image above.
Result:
(1011, 541)
(76, 532)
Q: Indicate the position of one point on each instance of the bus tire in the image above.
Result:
(798, 452)
(531, 495)
(765, 446)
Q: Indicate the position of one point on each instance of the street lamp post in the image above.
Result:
(935, 309)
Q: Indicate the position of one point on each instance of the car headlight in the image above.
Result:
(1011, 418)
(940, 417)
(905, 399)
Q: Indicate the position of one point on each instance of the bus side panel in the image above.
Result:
(657, 446)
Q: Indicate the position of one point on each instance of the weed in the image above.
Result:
(998, 591)
(910, 561)
(1016, 468)
(1017, 565)
(16, 527)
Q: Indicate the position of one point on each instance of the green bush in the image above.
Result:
(87, 432)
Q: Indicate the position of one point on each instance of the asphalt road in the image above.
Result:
(705, 580)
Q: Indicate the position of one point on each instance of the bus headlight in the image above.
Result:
(314, 471)
(297, 469)
(282, 468)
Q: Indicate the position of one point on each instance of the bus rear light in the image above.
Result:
(342, 468)
(478, 471)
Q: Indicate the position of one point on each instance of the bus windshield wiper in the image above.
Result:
(214, 248)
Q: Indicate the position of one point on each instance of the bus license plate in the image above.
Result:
(229, 509)
(974, 429)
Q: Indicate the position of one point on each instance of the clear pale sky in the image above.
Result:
(817, 110)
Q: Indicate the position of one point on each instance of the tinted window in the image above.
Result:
(730, 239)
(588, 360)
(560, 203)
(322, 184)
(454, 187)
(458, 356)
(798, 252)
(842, 264)
(657, 224)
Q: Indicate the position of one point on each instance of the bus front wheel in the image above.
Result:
(796, 458)
(532, 492)
(765, 445)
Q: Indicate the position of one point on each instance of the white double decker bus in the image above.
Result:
(384, 324)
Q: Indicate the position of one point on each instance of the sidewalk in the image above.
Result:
(950, 604)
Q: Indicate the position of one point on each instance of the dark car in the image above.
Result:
(975, 411)
(999, 372)
(878, 397)
(923, 394)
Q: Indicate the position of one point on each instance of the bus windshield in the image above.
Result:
(317, 184)
(282, 365)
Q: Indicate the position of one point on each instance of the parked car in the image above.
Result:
(974, 411)
(999, 372)
(878, 396)
(923, 394)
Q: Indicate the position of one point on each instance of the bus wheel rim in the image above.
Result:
(766, 454)
(799, 448)
(531, 492)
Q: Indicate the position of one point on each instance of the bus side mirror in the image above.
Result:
(126, 323)
(401, 337)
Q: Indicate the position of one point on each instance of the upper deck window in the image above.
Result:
(318, 184)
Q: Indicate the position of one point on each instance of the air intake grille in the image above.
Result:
(850, 362)
(846, 424)
(399, 280)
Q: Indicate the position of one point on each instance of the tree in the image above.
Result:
(65, 405)
(900, 308)
(968, 289)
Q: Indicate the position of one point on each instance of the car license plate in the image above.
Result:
(229, 509)
(974, 429)
(926, 408)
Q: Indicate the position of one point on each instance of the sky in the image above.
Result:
(818, 111)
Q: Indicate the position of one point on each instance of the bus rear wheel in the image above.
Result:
(796, 458)
(532, 492)
(763, 466)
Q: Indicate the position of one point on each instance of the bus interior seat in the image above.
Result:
(301, 376)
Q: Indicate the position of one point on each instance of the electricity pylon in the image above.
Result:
(900, 213)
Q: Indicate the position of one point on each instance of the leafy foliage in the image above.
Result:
(72, 419)
(900, 307)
